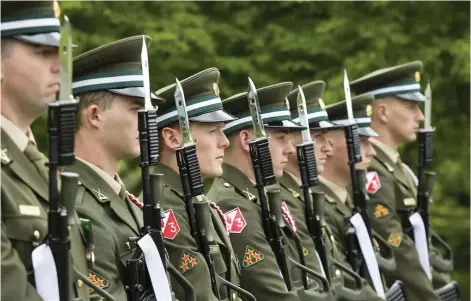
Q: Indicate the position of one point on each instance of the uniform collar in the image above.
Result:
(19, 138)
(391, 153)
(115, 183)
(296, 179)
(340, 193)
(239, 180)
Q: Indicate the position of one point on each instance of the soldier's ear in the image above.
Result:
(92, 115)
(171, 137)
(381, 111)
(244, 139)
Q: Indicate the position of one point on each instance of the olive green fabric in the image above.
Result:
(296, 205)
(23, 188)
(398, 194)
(263, 278)
(113, 223)
(221, 251)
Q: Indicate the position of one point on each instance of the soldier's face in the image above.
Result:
(296, 138)
(119, 129)
(404, 118)
(322, 148)
(210, 145)
(30, 77)
(337, 158)
(367, 153)
(280, 149)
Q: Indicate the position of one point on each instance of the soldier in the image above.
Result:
(30, 80)
(235, 193)
(396, 117)
(207, 120)
(320, 128)
(109, 82)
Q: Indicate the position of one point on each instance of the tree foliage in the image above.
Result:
(304, 41)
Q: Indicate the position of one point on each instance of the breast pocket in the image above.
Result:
(406, 204)
(24, 232)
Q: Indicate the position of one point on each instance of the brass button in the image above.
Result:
(338, 273)
(79, 283)
(234, 296)
(36, 234)
(227, 184)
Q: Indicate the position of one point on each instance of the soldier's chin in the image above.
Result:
(412, 137)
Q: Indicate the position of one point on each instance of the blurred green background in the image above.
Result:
(305, 41)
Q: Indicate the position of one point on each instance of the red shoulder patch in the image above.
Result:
(372, 182)
(170, 227)
(235, 221)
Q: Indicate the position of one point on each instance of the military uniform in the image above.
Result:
(394, 196)
(203, 104)
(24, 189)
(237, 197)
(102, 199)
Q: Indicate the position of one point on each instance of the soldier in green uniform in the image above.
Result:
(207, 118)
(30, 80)
(109, 82)
(396, 117)
(235, 193)
(319, 124)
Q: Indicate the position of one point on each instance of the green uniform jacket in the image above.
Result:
(336, 216)
(24, 196)
(113, 223)
(260, 272)
(396, 199)
(183, 249)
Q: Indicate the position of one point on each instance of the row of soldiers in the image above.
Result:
(261, 196)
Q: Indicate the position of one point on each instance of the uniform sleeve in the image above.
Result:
(260, 274)
(337, 228)
(183, 252)
(15, 285)
(385, 221)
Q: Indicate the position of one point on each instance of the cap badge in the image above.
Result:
(369, 110)
(216, 89)
(417, 76)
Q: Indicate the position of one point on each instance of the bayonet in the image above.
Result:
(182, 114)
(254, 107)
(145, 74)
(428, 107)
(302, 112)
(348, 98)
(65, 59)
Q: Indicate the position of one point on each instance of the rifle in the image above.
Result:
(359, 222)
(449, 292)
(152, 191)
(264, 176)
(197, 204)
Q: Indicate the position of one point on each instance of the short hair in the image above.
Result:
(103, 99)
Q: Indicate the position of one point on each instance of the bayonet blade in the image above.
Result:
(65, 60)
(145, 74)
(428, 107)
(182, 114)
(348, 98)
(254, 107)
(302, 112)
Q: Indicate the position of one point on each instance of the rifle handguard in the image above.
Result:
(449, 292)
(69, 183)
(156, 193)
(425, 141)
(188, 155)
(429, 182)
(353, 143)
(260, 154)
(318, 199)
(396, 292)
(61, 126)
(274, 201)
(307, 159)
